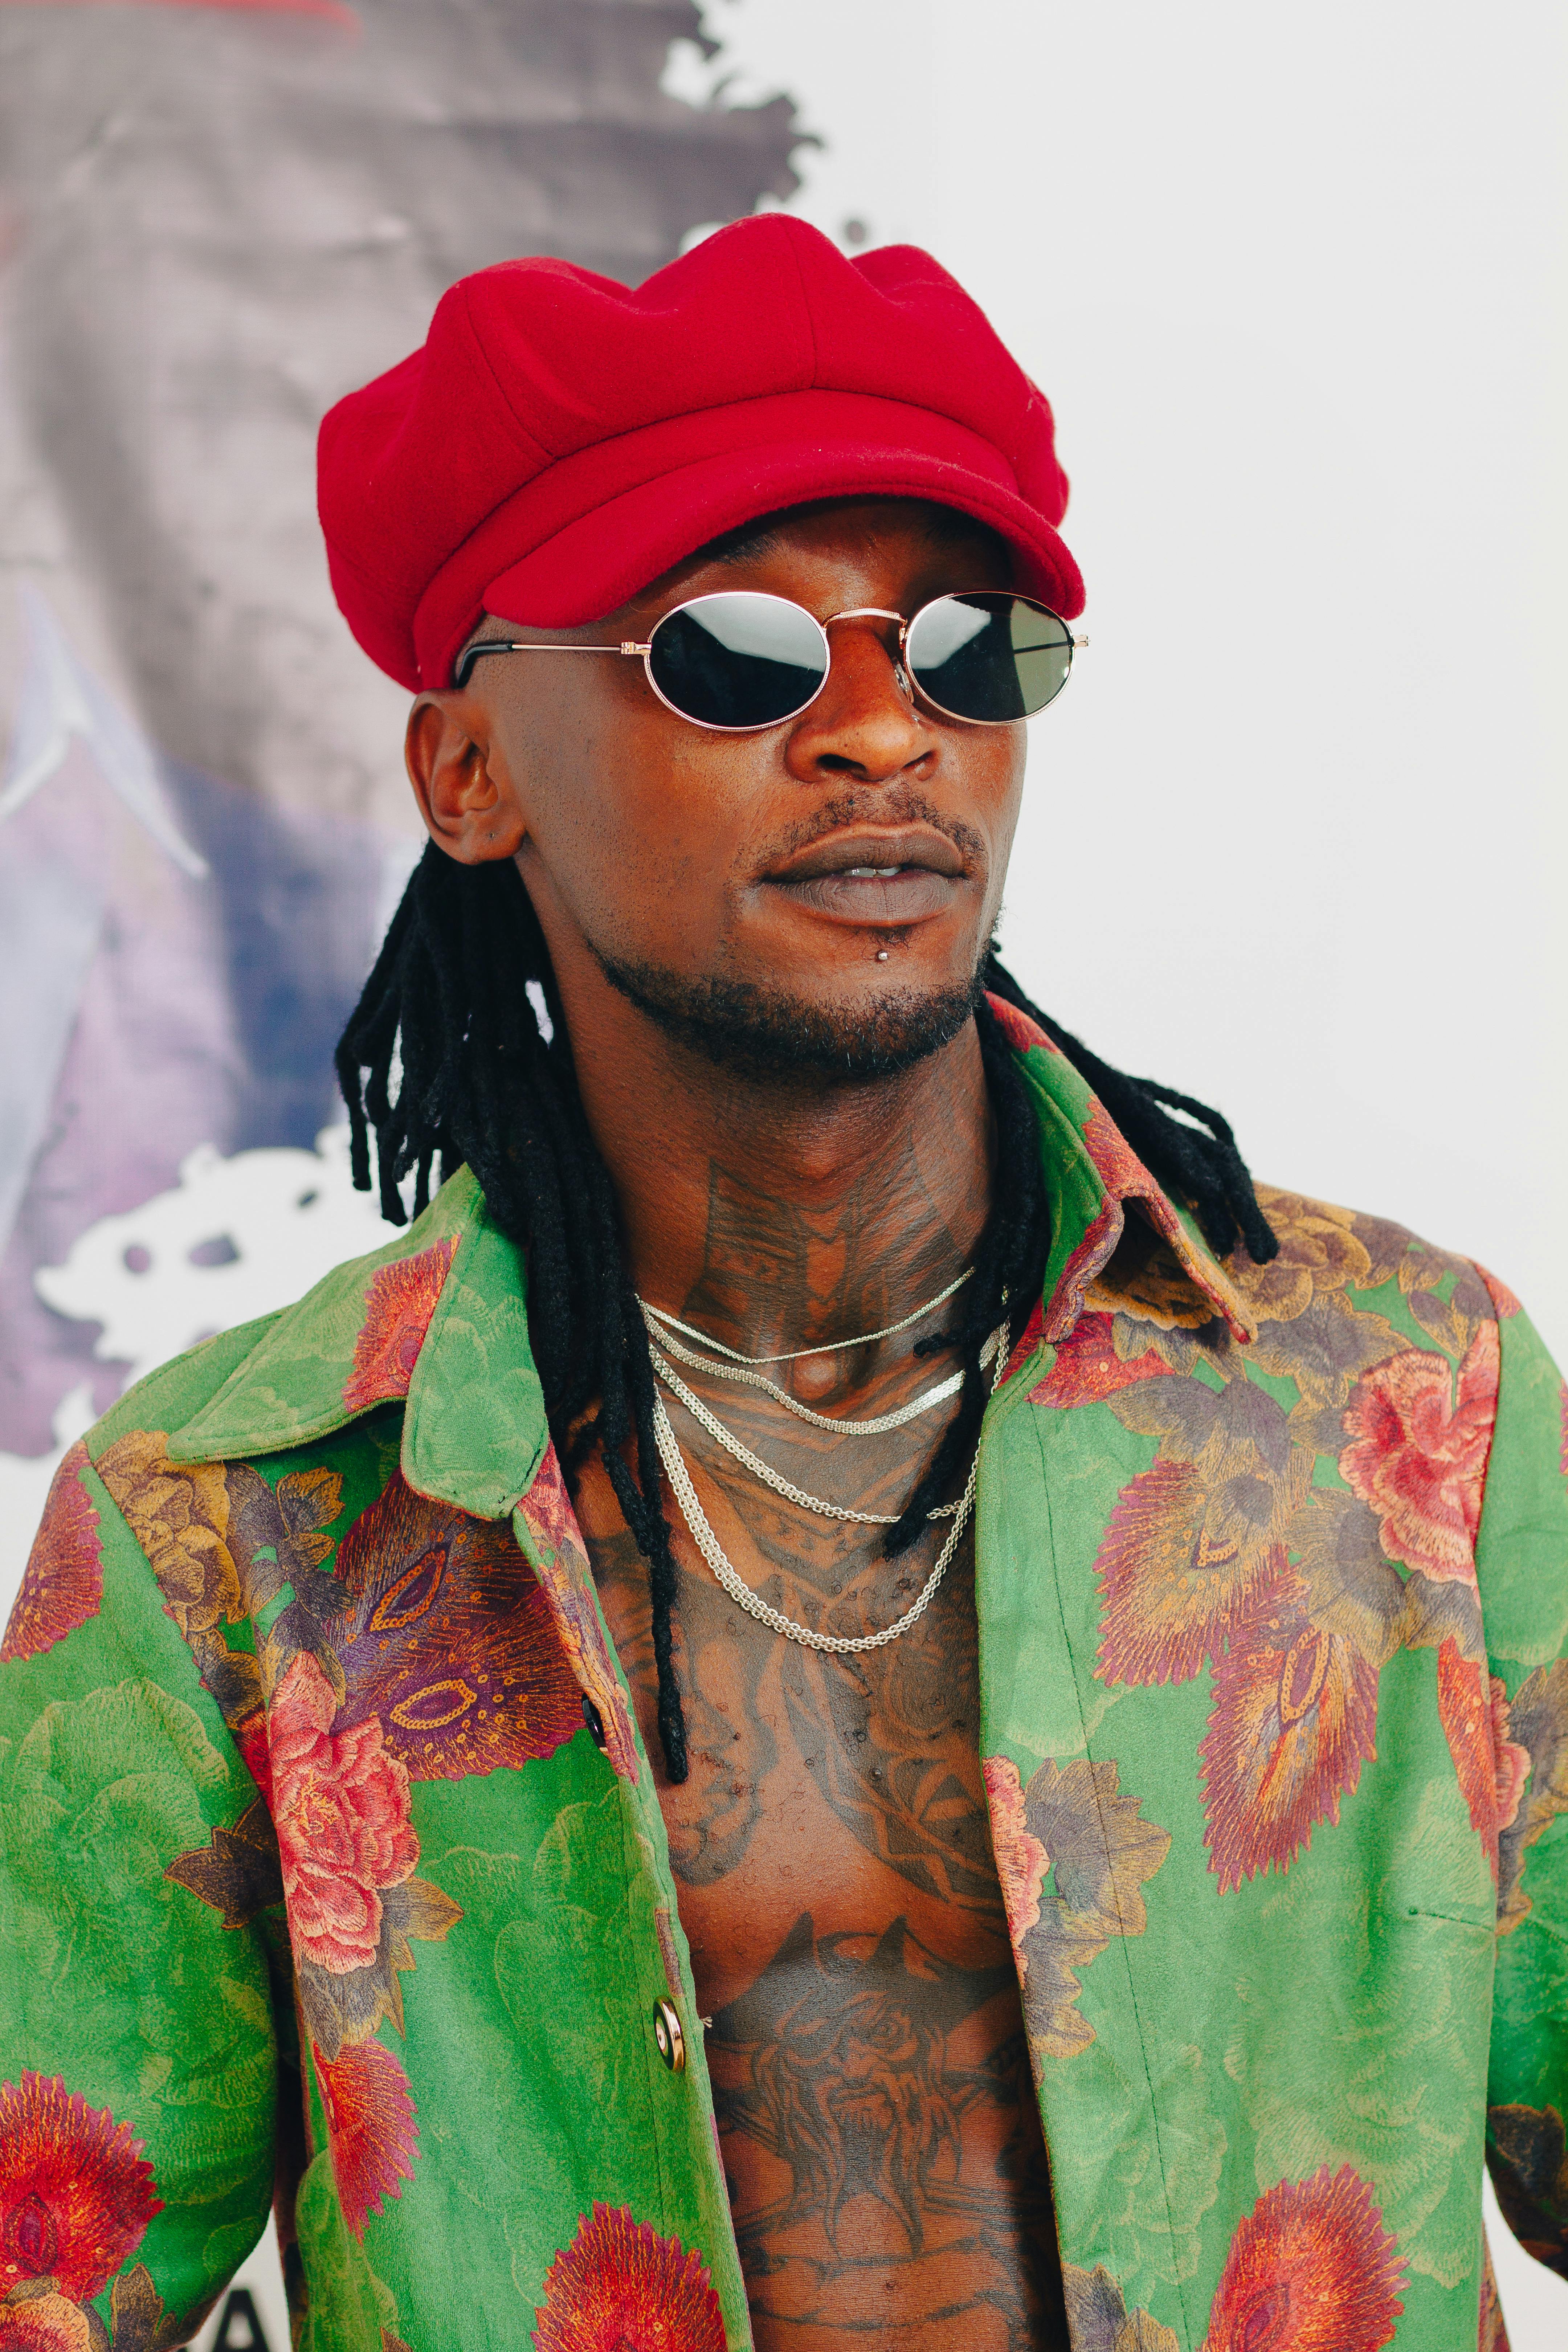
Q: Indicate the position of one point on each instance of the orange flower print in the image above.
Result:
(397, 1310)
(340, 1806)
(178, 1513)
(1121, 1170)
(1087, 1368)
(62, 1585)
(1312, 2269)
(1020, 1032)
(76, 2195)
(371, 2129)
(619, 2285)
(1294, 1719)
(1419, 1456)
(1493, 1768)
(1022, 1860)
(44, 2322)
(1319, 1251)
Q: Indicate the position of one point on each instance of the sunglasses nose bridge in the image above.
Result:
(897, 653)
(869, 612)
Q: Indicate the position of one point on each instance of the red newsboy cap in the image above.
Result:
(561, 440)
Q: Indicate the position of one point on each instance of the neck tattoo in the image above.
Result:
(661, 1328)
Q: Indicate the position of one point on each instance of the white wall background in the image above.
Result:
(1294, 283)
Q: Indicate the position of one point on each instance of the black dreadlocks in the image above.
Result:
(449, 1016)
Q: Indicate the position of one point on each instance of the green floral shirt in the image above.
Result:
(331, 1864)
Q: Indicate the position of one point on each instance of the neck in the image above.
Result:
(789, 1214)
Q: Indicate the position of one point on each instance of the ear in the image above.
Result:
(465, 797)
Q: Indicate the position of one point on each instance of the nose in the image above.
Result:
(865, 725)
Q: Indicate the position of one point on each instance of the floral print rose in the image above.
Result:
(1418, 1455)
(340, 1803)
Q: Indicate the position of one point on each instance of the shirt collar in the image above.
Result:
(1092, 1178)
(436, 1316)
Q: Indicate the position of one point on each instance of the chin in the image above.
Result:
(769, 1030)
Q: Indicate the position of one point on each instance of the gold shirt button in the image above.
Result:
(667, 2032)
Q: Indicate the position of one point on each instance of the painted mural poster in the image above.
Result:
(213, 220)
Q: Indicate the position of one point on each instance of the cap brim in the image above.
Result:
(601, 559)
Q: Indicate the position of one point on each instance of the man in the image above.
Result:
(804, 1597)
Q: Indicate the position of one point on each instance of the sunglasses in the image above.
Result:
(737, 660)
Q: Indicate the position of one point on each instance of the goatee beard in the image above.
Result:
(763, 1033)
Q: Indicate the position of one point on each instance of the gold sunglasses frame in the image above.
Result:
(462, 668)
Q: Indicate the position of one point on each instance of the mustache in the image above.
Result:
(877, 804)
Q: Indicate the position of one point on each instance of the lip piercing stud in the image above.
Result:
(881, 955)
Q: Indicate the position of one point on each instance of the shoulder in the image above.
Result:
(173, 1392)
(1391, 1340)
(1378, 1350)
(1328, 1252)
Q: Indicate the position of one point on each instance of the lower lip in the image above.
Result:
(910, 896)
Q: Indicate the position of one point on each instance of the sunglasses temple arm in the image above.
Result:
(465, 664)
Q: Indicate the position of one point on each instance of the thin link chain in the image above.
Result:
(762, 1470)
(899, 1420)
(707, 1543)
(742, 1452)
(828, 1347)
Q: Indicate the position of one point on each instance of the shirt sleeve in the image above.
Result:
(1522, 1566)
(140, 1921)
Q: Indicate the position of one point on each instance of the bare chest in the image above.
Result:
(849, 1942)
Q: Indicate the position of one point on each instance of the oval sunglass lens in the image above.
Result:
(738, 660)
(989, 655)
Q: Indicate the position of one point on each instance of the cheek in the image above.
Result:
(985, 787)
(1002, 791)
(642, 825)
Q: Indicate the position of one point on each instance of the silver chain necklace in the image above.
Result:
(742, 1452)
(741, 1592)
(899, 1420)
(827, 1347)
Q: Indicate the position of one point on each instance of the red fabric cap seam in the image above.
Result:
(814, 355)
(531, 442)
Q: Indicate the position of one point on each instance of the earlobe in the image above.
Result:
(469, 809)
